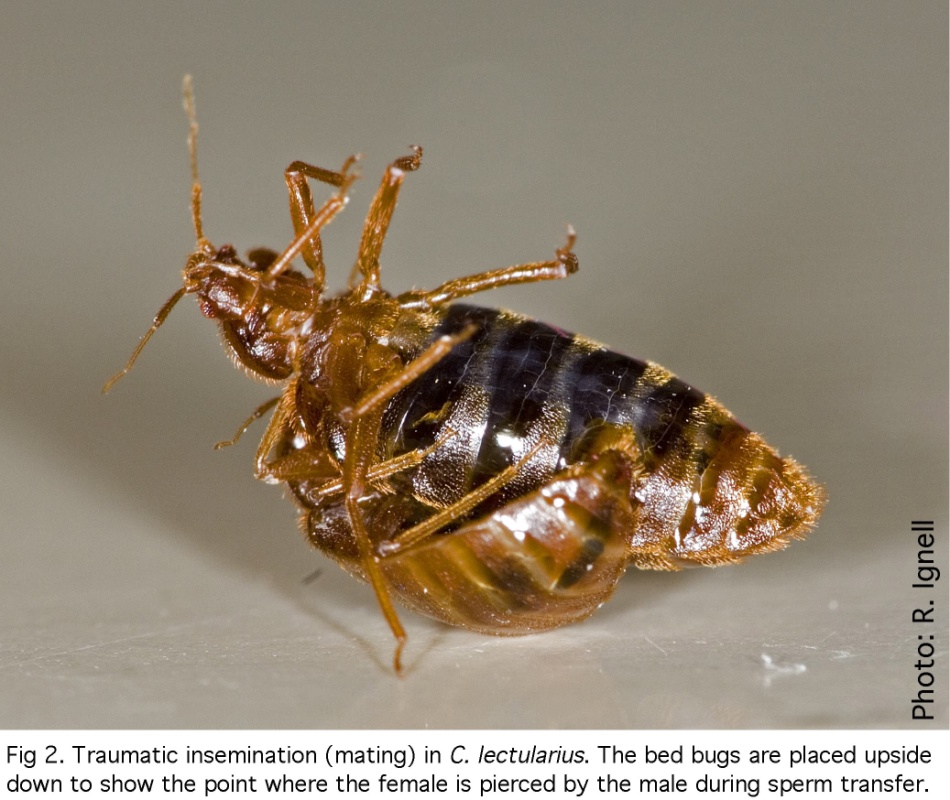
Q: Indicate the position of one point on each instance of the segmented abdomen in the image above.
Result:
(517, 378)
(707, 490)
(690, 486)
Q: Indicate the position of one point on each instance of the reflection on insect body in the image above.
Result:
(483, 468)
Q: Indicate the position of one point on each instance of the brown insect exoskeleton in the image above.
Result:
(485, 469)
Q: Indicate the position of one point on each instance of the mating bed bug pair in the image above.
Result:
(487, 470)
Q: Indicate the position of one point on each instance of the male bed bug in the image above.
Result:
(485, 469)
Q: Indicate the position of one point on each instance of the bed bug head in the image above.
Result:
(259, 314)
(258, 302)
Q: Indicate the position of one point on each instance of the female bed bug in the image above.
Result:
(485, 469)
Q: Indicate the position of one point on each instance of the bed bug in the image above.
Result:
(486, 469)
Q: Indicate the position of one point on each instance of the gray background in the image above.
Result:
(761, 199)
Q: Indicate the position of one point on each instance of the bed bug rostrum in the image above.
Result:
(485, 469)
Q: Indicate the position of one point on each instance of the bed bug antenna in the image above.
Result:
(160, 317)
(202, 244)
(188, 96)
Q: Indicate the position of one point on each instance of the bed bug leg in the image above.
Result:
(377, 222)
(303, 242)
(286, 405)
(413, 370)
(417, 534)
(302, 465)
(360, 450)
(259, 412)
(365, 419)
(301, 207)
(307, 465)
(564, 264)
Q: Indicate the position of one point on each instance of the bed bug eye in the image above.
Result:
(260, 258)
(226, 255)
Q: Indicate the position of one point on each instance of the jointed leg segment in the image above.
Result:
(564, 264)
(378, 219)
(307, 223)
(301, 206)
(417, 534)
(306, 465)
(362, 436)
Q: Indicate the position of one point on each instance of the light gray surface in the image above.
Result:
(761, 198)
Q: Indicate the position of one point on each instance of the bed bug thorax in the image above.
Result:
(486, 469)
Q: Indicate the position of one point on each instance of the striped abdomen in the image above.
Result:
(690, 486)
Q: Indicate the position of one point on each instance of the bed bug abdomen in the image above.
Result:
(720, 495)
(543, 560)
(547, 559)
(616, 463)
(707, 491)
